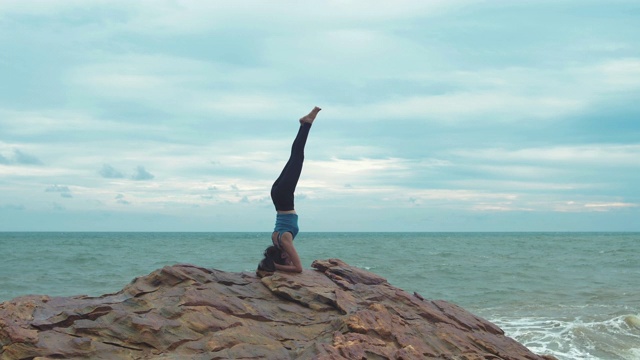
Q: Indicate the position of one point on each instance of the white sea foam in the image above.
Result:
(576, 338)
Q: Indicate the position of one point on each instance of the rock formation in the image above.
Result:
(187, 312)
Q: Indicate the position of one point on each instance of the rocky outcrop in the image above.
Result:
(187, 312)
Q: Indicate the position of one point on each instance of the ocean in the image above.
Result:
(571, 295)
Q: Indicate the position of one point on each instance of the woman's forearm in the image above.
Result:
(288, 268)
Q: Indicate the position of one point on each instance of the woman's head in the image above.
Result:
(274, 253)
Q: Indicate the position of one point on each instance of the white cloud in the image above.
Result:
(186, 87)
(456, 107)
(585, 206)
(499, 207)
(193, 16)
(609, 206)
(618, 74)
(593, 154)
(77, 122)
(508, 94)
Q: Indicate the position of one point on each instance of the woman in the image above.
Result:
(283, 253)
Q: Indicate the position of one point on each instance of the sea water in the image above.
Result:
(572, 295)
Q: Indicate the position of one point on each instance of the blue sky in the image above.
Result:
(437, 115)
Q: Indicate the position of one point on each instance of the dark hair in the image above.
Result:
(274, 253)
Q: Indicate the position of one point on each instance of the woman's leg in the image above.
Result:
(285, 185)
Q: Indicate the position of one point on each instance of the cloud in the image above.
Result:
(591, 154)
(19, 157)
(109, 172)
(58, 207)
(58, 188)
(608, 206)
(24, 158)
(141, 174)
(14, 207)
(161, 18)
(580, 206)
(181, 85)
(120, 200)
(620, 74)
(64, 191)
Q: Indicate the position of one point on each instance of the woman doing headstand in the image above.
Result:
(283, 253)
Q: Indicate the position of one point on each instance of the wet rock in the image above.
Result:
(333, 312)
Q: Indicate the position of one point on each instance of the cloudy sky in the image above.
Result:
(437, 115)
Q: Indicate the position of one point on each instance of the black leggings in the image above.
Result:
(285, 185)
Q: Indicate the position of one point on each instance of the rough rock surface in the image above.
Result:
(187, 312)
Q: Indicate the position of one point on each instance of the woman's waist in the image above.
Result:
(286, 222)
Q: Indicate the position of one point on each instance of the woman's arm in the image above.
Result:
(294, 264)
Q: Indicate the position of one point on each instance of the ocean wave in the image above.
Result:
(577, 338)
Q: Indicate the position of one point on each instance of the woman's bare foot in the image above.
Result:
(311, 116)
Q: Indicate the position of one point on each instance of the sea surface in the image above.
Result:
(572, 295)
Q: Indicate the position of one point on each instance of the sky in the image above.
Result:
(453, 115)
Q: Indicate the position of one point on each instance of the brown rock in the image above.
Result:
(184, 311)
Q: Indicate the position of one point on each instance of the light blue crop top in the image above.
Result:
(287, 222)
